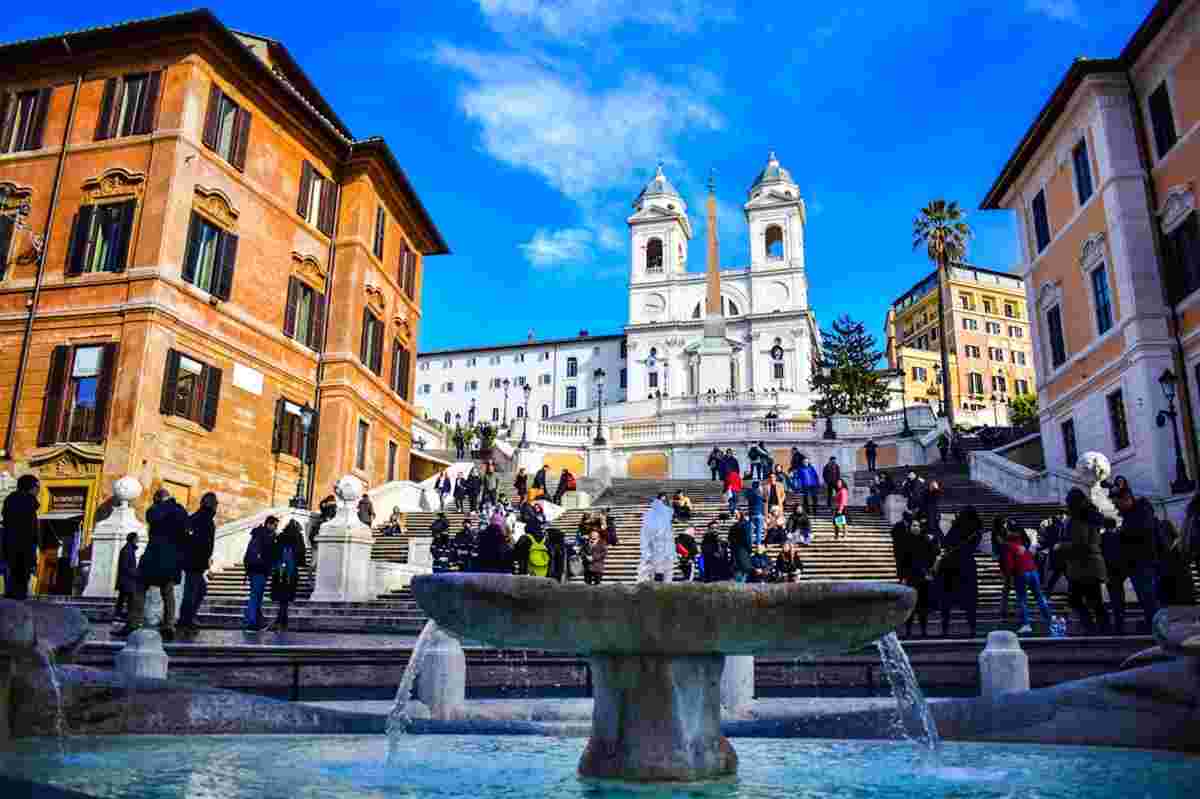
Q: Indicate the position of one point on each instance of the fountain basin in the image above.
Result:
(657, 650)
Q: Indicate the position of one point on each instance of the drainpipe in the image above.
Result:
(313, 446)
(23, 361)
(1185, 399)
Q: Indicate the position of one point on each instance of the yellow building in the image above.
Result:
(987, 331)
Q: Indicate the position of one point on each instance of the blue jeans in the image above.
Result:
(739, 577)
(1029, 581)
(195, 587)
(733, 497)
(757, 523)
(253, 615)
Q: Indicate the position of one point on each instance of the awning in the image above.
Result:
(60, 515)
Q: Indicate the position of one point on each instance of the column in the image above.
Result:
(108, 538)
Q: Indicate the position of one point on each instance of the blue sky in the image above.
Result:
(528, 126)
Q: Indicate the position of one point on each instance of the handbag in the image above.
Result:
(575, 566)
(840, 520)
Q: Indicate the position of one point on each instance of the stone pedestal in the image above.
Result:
(108, 538)
(894, 506)
(344, 553)
(1003, 665)
(657, 718)
(142, 656)
(737, 683)
(715, 356)
(442, 680)
(420, 552)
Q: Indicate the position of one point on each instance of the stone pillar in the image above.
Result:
(1003, 666)
(108, 537)
(420, 552)
(737, 683)
(442, 680)
(142, 656)
(344, 554)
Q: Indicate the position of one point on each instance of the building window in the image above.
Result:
(226, 128)
(210, 258)
(426, 388)
(448, 387)
(393, 456)
(624, 378)
(304, 315)
(289, 430)
(472, 361)
(401, 367)
(624, 349)
(971, 351)
(543, 380)
(967, 302)
(992, 328)
(988, 305)
(128, 105)
(970, 324)
(495, 414)
(1162, 119)
(545, 411)
(1041, 222)
(519, 358)
(447, 364)
(520, 380)
(1018, 358)
(1104, 320)
(408, 271)
(100, 238)
(370, 346)
(380, 229)
(360, 451)
(1070, 449)
(995, 354)
(542, 356)
(1011, 311)
(494, 360)
(78, 390)
(654, 255)
(572, 367)
(774, 243)
(494, 383)
(1054, 332)
(572, 396)
(471, 385)
(191, 390)
(317, 200)
(1022, 387)
(919, 374)
(975, 383)
(23, 120)
(1183, 256)
(777, 370)
(1015, 331)
(652, 378)
(999, 384)
(1116, 417)
(521, 412)
(1083, 171)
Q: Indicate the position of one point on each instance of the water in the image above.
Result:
(46, 657)
(916, 721)
(398, 719)
(490, 767)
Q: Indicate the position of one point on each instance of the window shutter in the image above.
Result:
(241, 139)
(149, 114)
(410, 279)
(380, 223)
(377, 360)
(229, 248)
(212, 393)
(8, 114)
(209, 137)
(104, 123)
(306, 178)
(365, 340)
(104, 386)
(312, 437)
(289, 310)
(316, 336)
(170, 383)
(119, 255)
(56, 386)
(328, 210)
(77, 252)
(395, 374)
(192, 253)
(405, 362)
(34, 140)
(277, 435)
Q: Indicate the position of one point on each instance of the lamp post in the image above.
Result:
(300, 501)
(527, 389)
(906, 432)
(506, 383)
(471, 412)
(1181, 484)
(598, 377)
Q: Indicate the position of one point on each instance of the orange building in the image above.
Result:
(194, 248)
(1103, 187)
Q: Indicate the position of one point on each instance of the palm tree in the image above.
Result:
(941, 228)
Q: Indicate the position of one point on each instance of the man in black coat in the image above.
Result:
(127, 580)
(1139, 549)
(197, 560)
(740, 550)
(871, 449)
(161, 565)
(21, 536)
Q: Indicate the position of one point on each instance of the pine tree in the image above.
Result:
(845, 379)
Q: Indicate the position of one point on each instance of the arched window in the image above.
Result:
(520, 412)
(447, 417)
(545, 411)
(572, 367)
(495, 414)
(654, 255)
(728, 308)
(572, 396)
(775, 242)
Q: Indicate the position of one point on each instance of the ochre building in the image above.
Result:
(194, 248)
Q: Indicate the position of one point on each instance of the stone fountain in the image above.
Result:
(657, 650)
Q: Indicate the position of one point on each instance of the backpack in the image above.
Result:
(256, 554)
(285, 570)
(539, 557)
(570, 482)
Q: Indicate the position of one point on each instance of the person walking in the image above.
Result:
(287, 558)
(957, 572)
(730, 464)
(733, 489)
(841, 519)
(1085, 561)
(756, 511)
(460, 444)
(1139, 547)
(161, 565)
(871, 449)
(460, 493)
(1019, 562)
(197, 560)
(899, 533)
(610, 528)
(491, 485)
(831, 474)
(810, 484)
(714, 463)
(741, 549)
(126, 576)
(20, 515)
(258, 564)
(474, 488)
(918, 556)
(366, 511)
(594, 554)
(931, 508)
(443, 486)
(521, 484)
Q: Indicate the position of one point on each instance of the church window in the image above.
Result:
(652, 377)
(520, 412)
(654, 255)
(446, 418)
(545, 411)
(775, 242)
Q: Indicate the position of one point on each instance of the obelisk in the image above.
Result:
(715, 352)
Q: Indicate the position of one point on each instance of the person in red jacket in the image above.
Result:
(733, 489)
(1018, 561)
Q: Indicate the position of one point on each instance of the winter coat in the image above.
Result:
(795, 462)
(730, 464)
(460, 487)
(1138, 528)
(871, 448)
(1016, 559)
(754, 500)
(200, 543)
(539, 479)
(263, 538)
(162, 562)
(808, 477)
(594, 556)
(366, 511)
(958, 548)
(127, 570)
(20, 530)
(493, 554)
(739, 547)
(917, 556)
(283, 588)
(785, 568)
(521, 484)
(1085, 562)
(733, 481)
(831, 474)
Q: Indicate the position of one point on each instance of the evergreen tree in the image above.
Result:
(1023, 410)
(845, 379)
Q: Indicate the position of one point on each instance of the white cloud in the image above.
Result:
(578, 19)
(550, 248)
(1061, 10)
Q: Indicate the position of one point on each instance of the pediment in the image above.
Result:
(68, 460)
(772, 197)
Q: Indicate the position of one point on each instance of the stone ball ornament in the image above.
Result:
(1093, 468)
(126, 489)
(349, 489)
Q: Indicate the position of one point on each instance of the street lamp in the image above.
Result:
(907, 431)
(598, 378)
(506, 383)
(307, 414)
(528, 389)
(1181, 485)
(471, 412)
